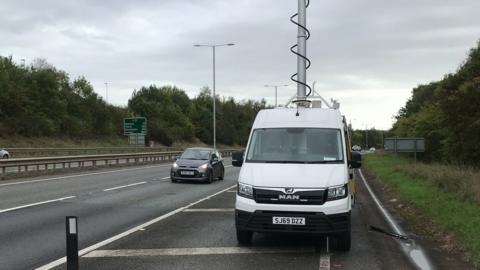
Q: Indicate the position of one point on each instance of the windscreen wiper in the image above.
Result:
(324, 161)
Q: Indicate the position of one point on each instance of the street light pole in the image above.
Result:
(106, 91)
(276, 87)
(213, 46)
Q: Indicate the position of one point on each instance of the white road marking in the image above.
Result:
(196, 251)
(79, 175)
(324, 262)
(132, 230)
(232, 191)
(130, 185)
(35, 204)
(209, 210)
(166, 177)
(414, 251)
(387, 216)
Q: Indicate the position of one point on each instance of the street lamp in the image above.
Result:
(106, 92)
(213, 46)
(276, 86)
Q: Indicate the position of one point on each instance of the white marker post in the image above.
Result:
(72, 242)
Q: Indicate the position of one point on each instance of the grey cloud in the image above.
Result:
(360, 50)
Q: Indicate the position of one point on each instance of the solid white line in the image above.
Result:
(196, 251)
(324, 262)
(209, 210)
(130, 185)
(166, 177)
(79, 175)
(132, 230)
(232, 191)
(34, 204)
(384, 211)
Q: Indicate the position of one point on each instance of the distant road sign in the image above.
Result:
(135, 126)
(404, 145)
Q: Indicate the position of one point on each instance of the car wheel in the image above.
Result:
(5, 156)
(210, 177)
(343, 241)
(244, 237)
(174, 180)
(222, 175)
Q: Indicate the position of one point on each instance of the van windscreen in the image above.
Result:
(296, 145)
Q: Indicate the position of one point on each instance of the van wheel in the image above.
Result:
(244, 237)
(174, 180)
(343, 241)
(5, 156)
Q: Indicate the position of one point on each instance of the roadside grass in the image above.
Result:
(449, 205)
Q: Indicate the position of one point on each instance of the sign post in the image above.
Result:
(136, 129)
(406, 145)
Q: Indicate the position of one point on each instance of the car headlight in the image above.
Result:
(336, 193)
(245, 190)
(175, 165)
(203, 167)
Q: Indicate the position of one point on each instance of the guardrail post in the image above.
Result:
(72, 242)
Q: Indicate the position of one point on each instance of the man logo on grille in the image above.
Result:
(289, 190)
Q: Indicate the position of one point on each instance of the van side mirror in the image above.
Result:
(356, 161)
(237, 158)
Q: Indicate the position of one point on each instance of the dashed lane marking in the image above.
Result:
(80, 175)
(128, 232)
(167, 177)
(35, 204)
(209, 210)
(130, 185)
(197, 251)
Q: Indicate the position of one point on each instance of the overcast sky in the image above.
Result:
(367, 54)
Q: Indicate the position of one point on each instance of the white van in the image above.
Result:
(296, 175)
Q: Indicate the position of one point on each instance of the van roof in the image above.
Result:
(308, 117)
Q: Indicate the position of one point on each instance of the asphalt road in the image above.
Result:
(109, 201)
(203, 237)
(135, 218)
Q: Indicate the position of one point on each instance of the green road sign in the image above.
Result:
(135, 125)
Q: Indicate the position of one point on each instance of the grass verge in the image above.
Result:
(446, 208)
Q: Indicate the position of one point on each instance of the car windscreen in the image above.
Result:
(196, 154)
(296, 145)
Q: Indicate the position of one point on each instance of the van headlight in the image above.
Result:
(336, 193)
(203, 168)
(245, 190)
(175, 165)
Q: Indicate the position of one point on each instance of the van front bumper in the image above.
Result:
(315, 222)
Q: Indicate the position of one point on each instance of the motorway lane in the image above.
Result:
(33, 236)
(203, 237)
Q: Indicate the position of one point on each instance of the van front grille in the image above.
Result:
(308, 197)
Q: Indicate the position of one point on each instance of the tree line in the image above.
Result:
(40, 100)
(447, 114)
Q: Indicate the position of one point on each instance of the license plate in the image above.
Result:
(187, 173)
(289, 220)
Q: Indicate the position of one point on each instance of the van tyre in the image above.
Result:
(222, 175)
(343, 241)
(5, 156)
(174, 180)
(244, 237)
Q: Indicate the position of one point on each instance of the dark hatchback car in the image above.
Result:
(198, 164)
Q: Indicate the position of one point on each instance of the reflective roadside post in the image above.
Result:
(72, 242)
